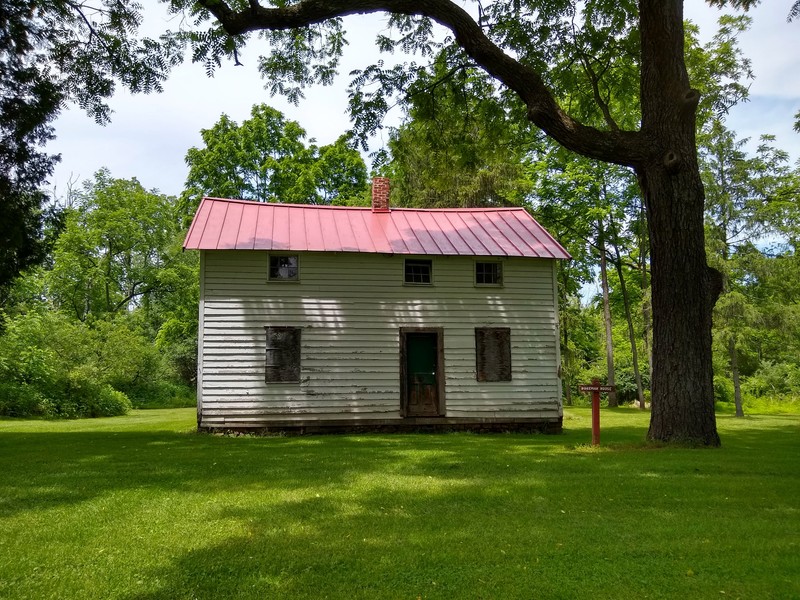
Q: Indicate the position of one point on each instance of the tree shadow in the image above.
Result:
(432, 516)
(48, 469)
(406, 515)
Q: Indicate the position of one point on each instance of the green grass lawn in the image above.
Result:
(141, 507)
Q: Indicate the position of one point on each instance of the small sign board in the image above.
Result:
(597, 388)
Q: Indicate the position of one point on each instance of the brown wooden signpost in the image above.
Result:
(596, 388)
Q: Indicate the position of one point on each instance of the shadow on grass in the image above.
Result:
(45, 469)
(42, 470)
(488, 517)
(450, 515)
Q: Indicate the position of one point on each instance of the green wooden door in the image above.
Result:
(422, 388)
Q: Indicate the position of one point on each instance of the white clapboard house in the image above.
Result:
(324, 318)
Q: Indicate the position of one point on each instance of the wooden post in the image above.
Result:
(596, 388)
(595, 412)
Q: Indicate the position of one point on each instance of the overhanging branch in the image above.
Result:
(620, 147)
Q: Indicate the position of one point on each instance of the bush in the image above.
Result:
(723, 389)
(773, 380)
(108, 402)
(626, 383)
(84, 397)
(22, 400)
(183, 359)
(79, 397)
(161, 394)
(53, 367)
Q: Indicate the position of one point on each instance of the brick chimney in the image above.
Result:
(380, 194)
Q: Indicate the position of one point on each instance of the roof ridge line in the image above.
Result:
(363, 208)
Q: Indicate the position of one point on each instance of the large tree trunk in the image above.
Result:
(684, 288)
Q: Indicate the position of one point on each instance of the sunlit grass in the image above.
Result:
(141, 507)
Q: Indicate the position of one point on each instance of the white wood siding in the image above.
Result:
(350, 308)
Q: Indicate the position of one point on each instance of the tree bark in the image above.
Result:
(684, 288)
(601, 242)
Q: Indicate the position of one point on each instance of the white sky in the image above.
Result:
(149, 134)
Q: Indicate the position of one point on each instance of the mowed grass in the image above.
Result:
(141, 507)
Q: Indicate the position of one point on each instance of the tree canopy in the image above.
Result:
(52, 53)
(114, 247)
(29, 101)
(265, 158)
(460, 146)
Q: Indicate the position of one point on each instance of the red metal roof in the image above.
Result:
(222, 224)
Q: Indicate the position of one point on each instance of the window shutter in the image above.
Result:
(493, 353)
(282, 354)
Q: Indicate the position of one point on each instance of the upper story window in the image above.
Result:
(489, 273)
(284, 267)
(418, 271)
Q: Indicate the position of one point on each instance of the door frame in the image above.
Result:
(439, 331)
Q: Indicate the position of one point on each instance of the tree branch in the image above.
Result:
(620, 147)
(595, 81)
(92, 32)
(132, 294)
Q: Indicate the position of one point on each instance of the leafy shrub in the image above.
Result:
(723, 389)
(177, 341)
(22, 400)
(626, 383)
(77, 398)
(183, 359)
(84, 397)
(773, 380)
(53, 367)
(161, 394)
(108, 402)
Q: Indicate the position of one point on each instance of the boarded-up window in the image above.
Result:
(283, 354)
(493, 353)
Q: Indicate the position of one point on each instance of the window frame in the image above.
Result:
(429, 261)
(496, 369)
(282, 369)
(500, 269)
(278, 255)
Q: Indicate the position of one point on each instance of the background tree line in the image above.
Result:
(108, 320)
